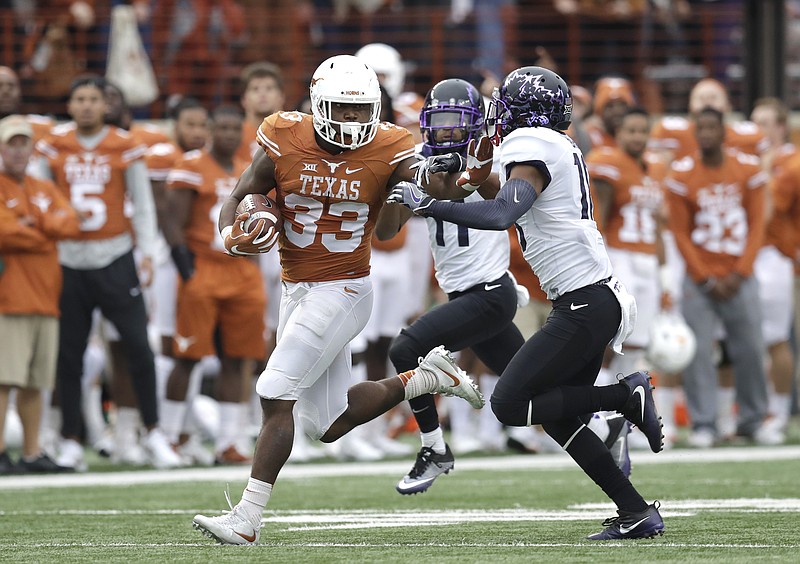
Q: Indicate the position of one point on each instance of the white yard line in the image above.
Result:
(393, 468)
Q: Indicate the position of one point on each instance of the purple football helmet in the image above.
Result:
(451, 116)
(529, 97)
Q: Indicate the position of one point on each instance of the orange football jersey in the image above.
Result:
(41, 125)
(717, 214)
(677, 135)
(329, 202)
(637, 198)
(162, 158)
(599, 136)
(199, 171)
(783, 226)
(148, 134)
(93, 180)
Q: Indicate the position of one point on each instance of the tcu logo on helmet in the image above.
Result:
(530, 97)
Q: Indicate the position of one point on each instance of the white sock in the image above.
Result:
(164, 366)
(605, 378)
(726, 418)
(126, 429)
(599, 426)
(254, 499)
(229, 425)
(490, 429)
(665, 402)
(172, 417)
(434, 440)
(418, 382)
(92, 401)
(780, 407)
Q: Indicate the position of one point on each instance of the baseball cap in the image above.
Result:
(13, 125)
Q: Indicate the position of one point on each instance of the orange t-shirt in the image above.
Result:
(637, 198)
(31, 279)
(329, 203)
(93, 180)
(717, 214)
(199, 172)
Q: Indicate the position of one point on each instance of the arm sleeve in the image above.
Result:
(514, 199)
(144, 210)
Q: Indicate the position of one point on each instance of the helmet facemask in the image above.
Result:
(448, 128)
(345, 80)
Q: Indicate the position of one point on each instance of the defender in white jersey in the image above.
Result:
(545, 190)
(471, 268)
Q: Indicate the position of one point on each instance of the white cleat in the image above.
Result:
(452, 380)
(159, 450)
(70, 455)
(193, 452)
(230, 528)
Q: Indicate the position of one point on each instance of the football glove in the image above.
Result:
(411, 196)
(240, 243)
(479, 164)
(451, 162)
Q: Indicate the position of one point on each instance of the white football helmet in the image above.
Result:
(345, 79)
(672, 343)
(384, 59)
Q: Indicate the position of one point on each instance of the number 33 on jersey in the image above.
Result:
(329, 202)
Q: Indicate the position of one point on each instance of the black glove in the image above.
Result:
(184, 261)
(451, 162)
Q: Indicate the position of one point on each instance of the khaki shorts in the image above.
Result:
(28, 351)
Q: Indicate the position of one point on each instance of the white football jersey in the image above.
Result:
(559, 236)
(464, 257)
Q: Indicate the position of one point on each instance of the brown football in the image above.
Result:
(260, 207)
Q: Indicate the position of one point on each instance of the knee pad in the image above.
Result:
(404, 352)
(511, 413)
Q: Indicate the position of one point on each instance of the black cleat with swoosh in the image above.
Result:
(643, 525)
(640, 409)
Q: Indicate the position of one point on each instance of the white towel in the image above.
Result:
(628, 305)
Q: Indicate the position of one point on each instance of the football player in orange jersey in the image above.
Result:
(216, 292)
(716, 213)
(675, 137)
(613, 97)
(774, 266)
(626, 182)
(332, 172)
(96, 165)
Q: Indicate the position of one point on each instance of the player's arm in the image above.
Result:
(258, 178)
(179, 204)
(525, 183)
(390, 221)
(137, 182)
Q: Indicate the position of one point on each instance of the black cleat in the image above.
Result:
(427, 468)
(640, 409)
(644, 525)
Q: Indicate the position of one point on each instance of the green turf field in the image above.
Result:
(743, 507)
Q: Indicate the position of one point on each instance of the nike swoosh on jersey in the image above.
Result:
(573, 307)
(352, 170)
(350, 290)
(490, 287)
